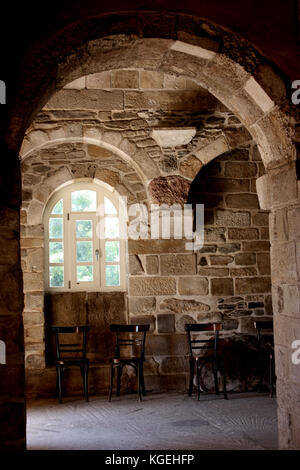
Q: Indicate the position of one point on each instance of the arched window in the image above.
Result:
(84, 239)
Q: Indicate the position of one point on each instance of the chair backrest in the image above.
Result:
(263, 327)
(132, 337)
(204, 343)
(74, 348)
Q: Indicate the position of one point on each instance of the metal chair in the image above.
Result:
(130, 351)
(197, 360)
(264, 329)
(77, 355)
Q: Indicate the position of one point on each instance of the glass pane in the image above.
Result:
(112, 251)
(112, 275)
(83, 201)
(56, 252)
(58, 208)
(56, 228)
(56, 276)
(84, 229)
(84, 273)
(84, 251)
(109, 208)
(111, 227)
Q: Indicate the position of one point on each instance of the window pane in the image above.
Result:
(56, 252)
(58, 208)
(84, 229)
(112, 275)
(109, 208)
(56, 228)
(111, 227)
(56, 275)
(84, 251)
(84, 273)
(83, 201)
(112, 251)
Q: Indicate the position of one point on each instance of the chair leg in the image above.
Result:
(112, 371)
(138, 369)
(142, 379)
(271, 376)
(215, 371)
(224, 383)
(198, 380)
(119, 373)
(192, 369)
(85, 382)
(59, 372)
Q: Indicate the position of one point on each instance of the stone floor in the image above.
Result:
(169, 421)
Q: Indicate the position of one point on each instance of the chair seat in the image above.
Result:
(72, 360)
(203, 358)
(125, 359)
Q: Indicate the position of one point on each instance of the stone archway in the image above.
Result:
(268, 126)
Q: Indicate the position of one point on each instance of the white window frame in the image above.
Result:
(69, 237)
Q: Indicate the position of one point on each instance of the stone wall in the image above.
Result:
(228, 280)
(100, 126)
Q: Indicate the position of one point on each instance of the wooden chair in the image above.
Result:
(197, 360)
(76, 355)
(130, 350)
(264, 329)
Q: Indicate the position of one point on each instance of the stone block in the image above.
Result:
(258, 94)
(77, 84)
(98, 80)
(192, 286)
(293, 222)
(229, 248)
(183, 305)
(258, 245)
(212, 150)
(149, 286)
(208, 271)
(243, 234)
(232, 219)
(249, 271)
(190, 167)
(165, 323)
(263, 263)
(222, 286)
(135, 265)
(35, 213)
(152, 264)
(220, 260)
(124, 79)
(260, 219)
(151, 79)
(33, 282)
(142, 305)
(156, 246)
(283, 263)
(263, 189)
(252, 285)
(275, 147)
(102, 100)
(227, 185)
(173, 82)
(242, 201)
(240, 169)
(177, 264)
